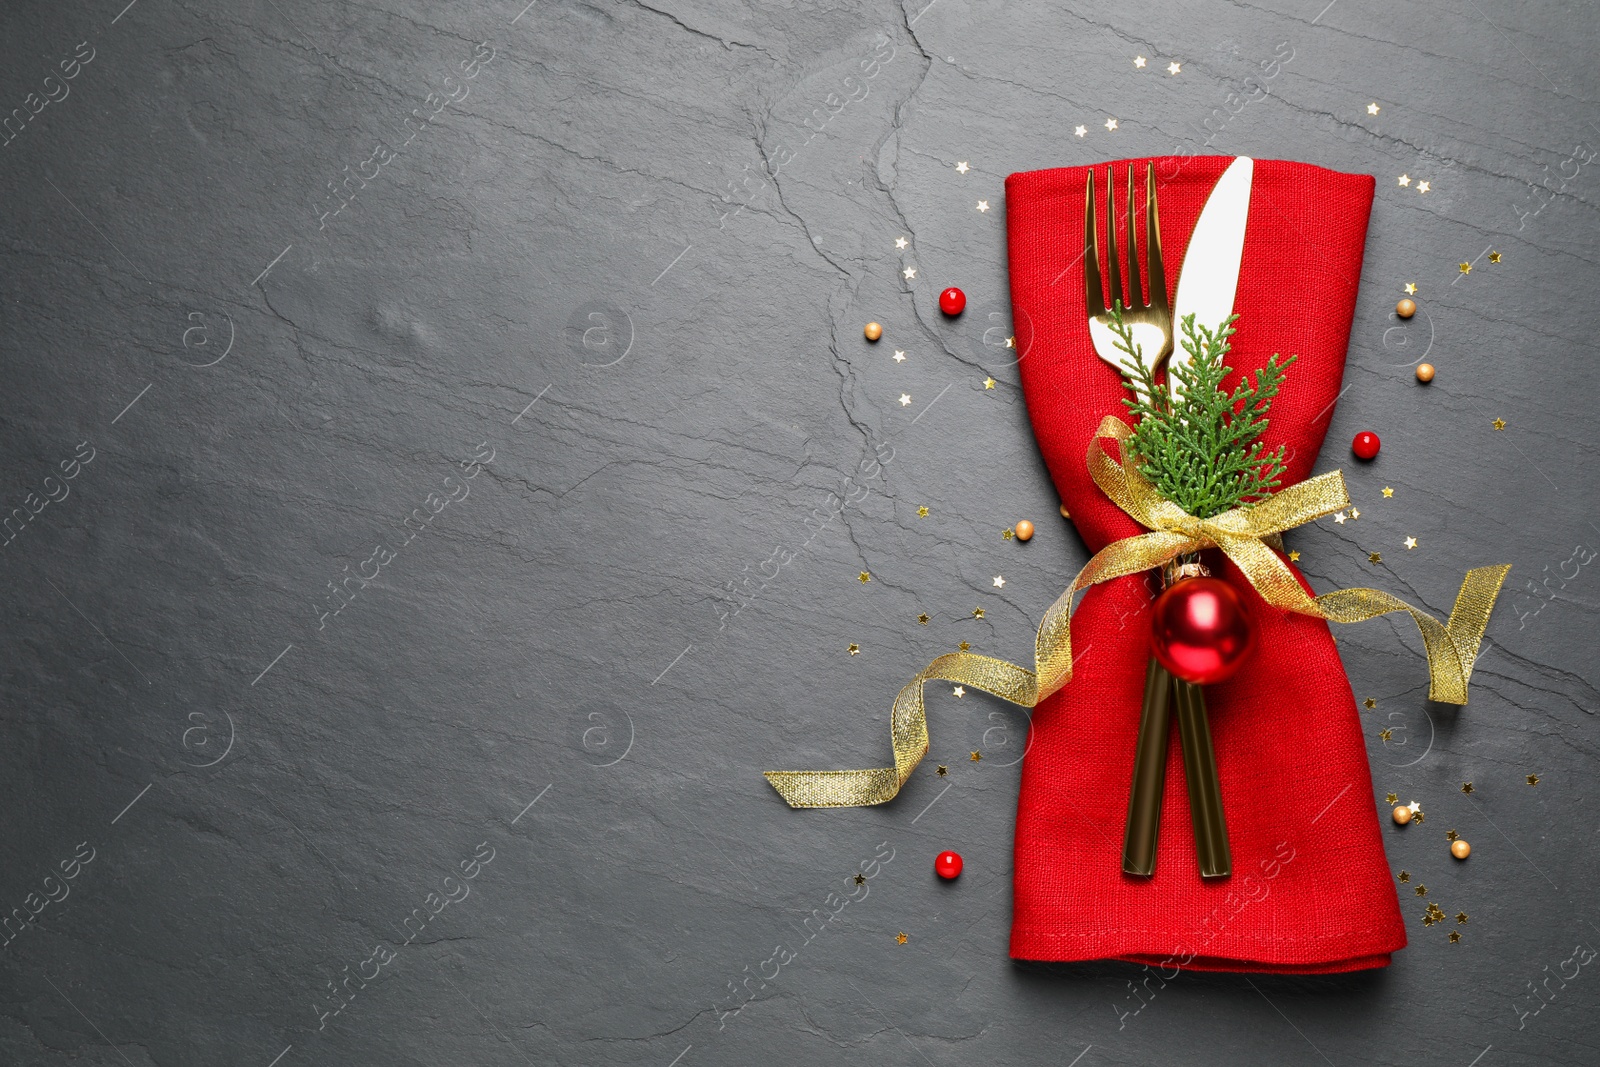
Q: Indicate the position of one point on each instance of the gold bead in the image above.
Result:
(1024, 530)
(873, 331)
(1460, 849)
(1424, 372)
(1402, 815)
(1064, 514)
(1406, 308)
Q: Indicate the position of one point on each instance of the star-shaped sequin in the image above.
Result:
(959, 691)
(965, 647)
(1461, 918)
(1081, 131)
(1423, 187)
(1385, 734)
(1466, 787)
(977, 613)
(1499, 424)
(1494, 257)
(1411, 542)
(1414, 806)
(1533, 779)
(988, 383)
(1007, 534)
(1371, 703)
(942, 770)
(899, 356)
(983, 205)
(1355, 513)
(1174, 68)
(1411, 288)
(1339, 517)
(900, 242)
(922, 512)
(1387, 491)
(905, 400)
(901, 938)
(1455, 937)
(909, 272)
(1450, 835)
(1374, 557)
(1294, 556)
(863, 577)
(922, 620)
(1372, 108)
(1421, 890)
(1465, 268)
(1405, 179)
(1405, 876)
(860, 879)
(975, 757)
(1111, 124)
(1428, 920)
(1392, 799)
(999, 581)
(1138, 61)
(854, 650)
(1011, 342)
(962, 168)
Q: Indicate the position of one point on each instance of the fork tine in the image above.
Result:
(1114, 271)
(1152, 240)
(1092, 295)
(1135, 290)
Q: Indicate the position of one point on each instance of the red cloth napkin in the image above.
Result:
(1311, 890)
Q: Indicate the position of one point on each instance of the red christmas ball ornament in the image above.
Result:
(1366, 445)
(947, 865)
(1200, 630)
(952, 301)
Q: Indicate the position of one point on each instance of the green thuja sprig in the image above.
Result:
(1202, 448)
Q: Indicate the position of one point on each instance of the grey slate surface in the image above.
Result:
(567, 262)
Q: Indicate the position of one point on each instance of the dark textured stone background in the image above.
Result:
(568, 233)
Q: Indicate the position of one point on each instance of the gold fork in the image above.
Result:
(1150, 324)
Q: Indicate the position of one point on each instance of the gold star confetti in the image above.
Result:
(1421, 890)
(1387, 491)
(962, 168)
(1466, 787)
(988, 383)
(1455, 938)
(1385, 734)
(1405, 876)
(1533, 779)
(1411, 542)
(910, 272)
(999, 581)
(1411, 288)
(861, 879)
(922, 619)
(1294, 557)
(1494, 257)
(1007, 534)
(1339, 517)
(1081, 131)
(922, 512)
(899, 356)
(1392, 799)
(855, 650)
(1138, 61)
(1423, 187)
(1374, 557)
(1499, 424)
(901, 938)
(1355, 513)
(959, 691)
(977, 613)
(1414, 806)
(983, 205)
(1372, 108)
(1427, 920)
(1405, 179)
(905, 400)
(864, 577)
(1011, 342)
(900, 242)
(1450, 835)
(1174, 68)
(1465, 268)
(976, 756)
(943, 770)
(965, 647)
(1111, 124)
(1461, 918)
(1419, 818)
(1371, 703)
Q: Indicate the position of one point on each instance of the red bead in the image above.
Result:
(1201, 631)
(952, 301)
(948, 865)
(1366, 445)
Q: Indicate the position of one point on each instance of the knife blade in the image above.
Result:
(1209, 276)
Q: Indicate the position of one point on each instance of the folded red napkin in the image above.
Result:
(1311, 889)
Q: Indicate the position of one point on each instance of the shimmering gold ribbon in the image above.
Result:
(1243, 534)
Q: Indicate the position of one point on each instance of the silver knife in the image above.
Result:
(1210, 273)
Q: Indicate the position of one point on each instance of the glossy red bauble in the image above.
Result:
(1201, 631)
(952, 301)
(948, 865)
(1366, 445)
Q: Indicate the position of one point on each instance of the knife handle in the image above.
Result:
(1149, 773)
(1205, 790)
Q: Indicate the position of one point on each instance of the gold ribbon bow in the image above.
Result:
(1244, 534)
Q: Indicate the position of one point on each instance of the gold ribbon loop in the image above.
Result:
(1247, 535)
